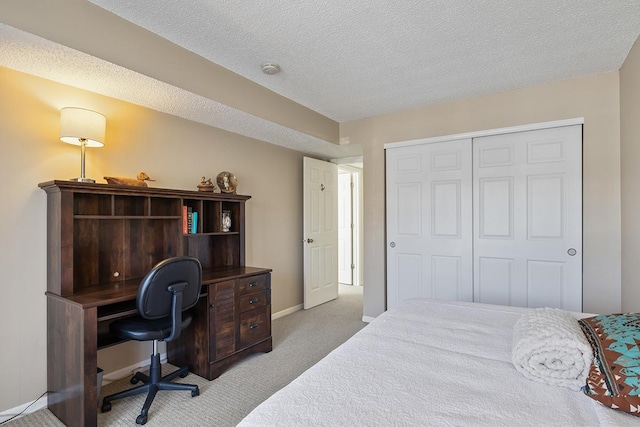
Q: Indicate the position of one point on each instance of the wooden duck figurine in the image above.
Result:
(139, 180)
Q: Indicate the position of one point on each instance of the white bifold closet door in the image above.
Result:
(495, 219)
(429, 220)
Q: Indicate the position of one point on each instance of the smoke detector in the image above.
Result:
(270, 67)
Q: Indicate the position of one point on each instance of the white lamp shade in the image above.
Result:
(77, 124)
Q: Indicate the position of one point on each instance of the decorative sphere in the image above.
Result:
(227, 182)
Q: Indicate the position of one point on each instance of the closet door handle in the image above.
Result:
(572, 252)
(392, 244)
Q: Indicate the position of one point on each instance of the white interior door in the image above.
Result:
(528, 218)
(429, 234)
(345, 229)
(320, 188)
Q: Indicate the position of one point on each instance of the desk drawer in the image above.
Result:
(253, 300)
(253, 284)
(255, 325)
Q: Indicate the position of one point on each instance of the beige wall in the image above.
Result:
(174, 151)
(596, 98)
(630, 178)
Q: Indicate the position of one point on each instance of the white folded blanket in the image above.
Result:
(549, 346)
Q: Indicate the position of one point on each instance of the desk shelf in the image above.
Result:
(118, 310)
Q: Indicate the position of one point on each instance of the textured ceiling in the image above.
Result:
(353, 59)
(34, 55)
(344, 59)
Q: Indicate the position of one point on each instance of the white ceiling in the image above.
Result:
(346, 59)
(353, 59)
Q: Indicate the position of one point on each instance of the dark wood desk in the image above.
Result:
(102, 239)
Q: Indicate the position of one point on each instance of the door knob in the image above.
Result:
(572, 252)
(392, 244)
(309, 240)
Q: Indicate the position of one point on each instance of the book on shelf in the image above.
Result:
(185, 228)
(194, 223)
(189, 219)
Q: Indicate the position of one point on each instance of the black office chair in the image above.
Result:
(170, 288)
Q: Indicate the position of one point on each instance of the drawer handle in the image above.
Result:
(253, 284)
(254, 300)
(253, 326)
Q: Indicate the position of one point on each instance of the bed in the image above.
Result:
(429, 363)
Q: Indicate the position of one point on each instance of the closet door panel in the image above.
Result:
(409, 273)
(495, 210)
(408, 209)
(429, 222)
(495, 280)
(546, 284)
(446, 208)
(536, 219)
(405, 206)
(545, 207)
(446, 272)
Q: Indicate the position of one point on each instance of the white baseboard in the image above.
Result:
(287, 311)
(367, 319)
(36, 405)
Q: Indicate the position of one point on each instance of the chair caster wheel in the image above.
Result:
(184, 375)
(142, 419)
(106, 406)
(195, 392)
(134, 380)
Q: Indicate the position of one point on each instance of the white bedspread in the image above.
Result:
(429, 363)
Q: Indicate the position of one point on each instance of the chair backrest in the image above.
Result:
(170, 288)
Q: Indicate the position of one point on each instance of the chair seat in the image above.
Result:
(141, 329)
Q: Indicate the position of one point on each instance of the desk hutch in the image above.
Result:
(102, 240)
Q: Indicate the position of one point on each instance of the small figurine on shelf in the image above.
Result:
(206, 185)
(138, 181)
(226, 221)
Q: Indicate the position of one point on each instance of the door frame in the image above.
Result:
(346, 265)
(488, 132)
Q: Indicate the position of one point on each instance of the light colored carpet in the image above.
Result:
(299, 341)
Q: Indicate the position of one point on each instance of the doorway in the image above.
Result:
(350, 257)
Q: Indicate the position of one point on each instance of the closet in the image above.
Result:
(492, 217)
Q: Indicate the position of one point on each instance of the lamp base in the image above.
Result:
(83, 180)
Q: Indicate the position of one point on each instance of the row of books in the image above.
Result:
(189, 220)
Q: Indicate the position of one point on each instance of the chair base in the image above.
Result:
(152, 384)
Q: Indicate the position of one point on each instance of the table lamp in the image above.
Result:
(82, 127)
